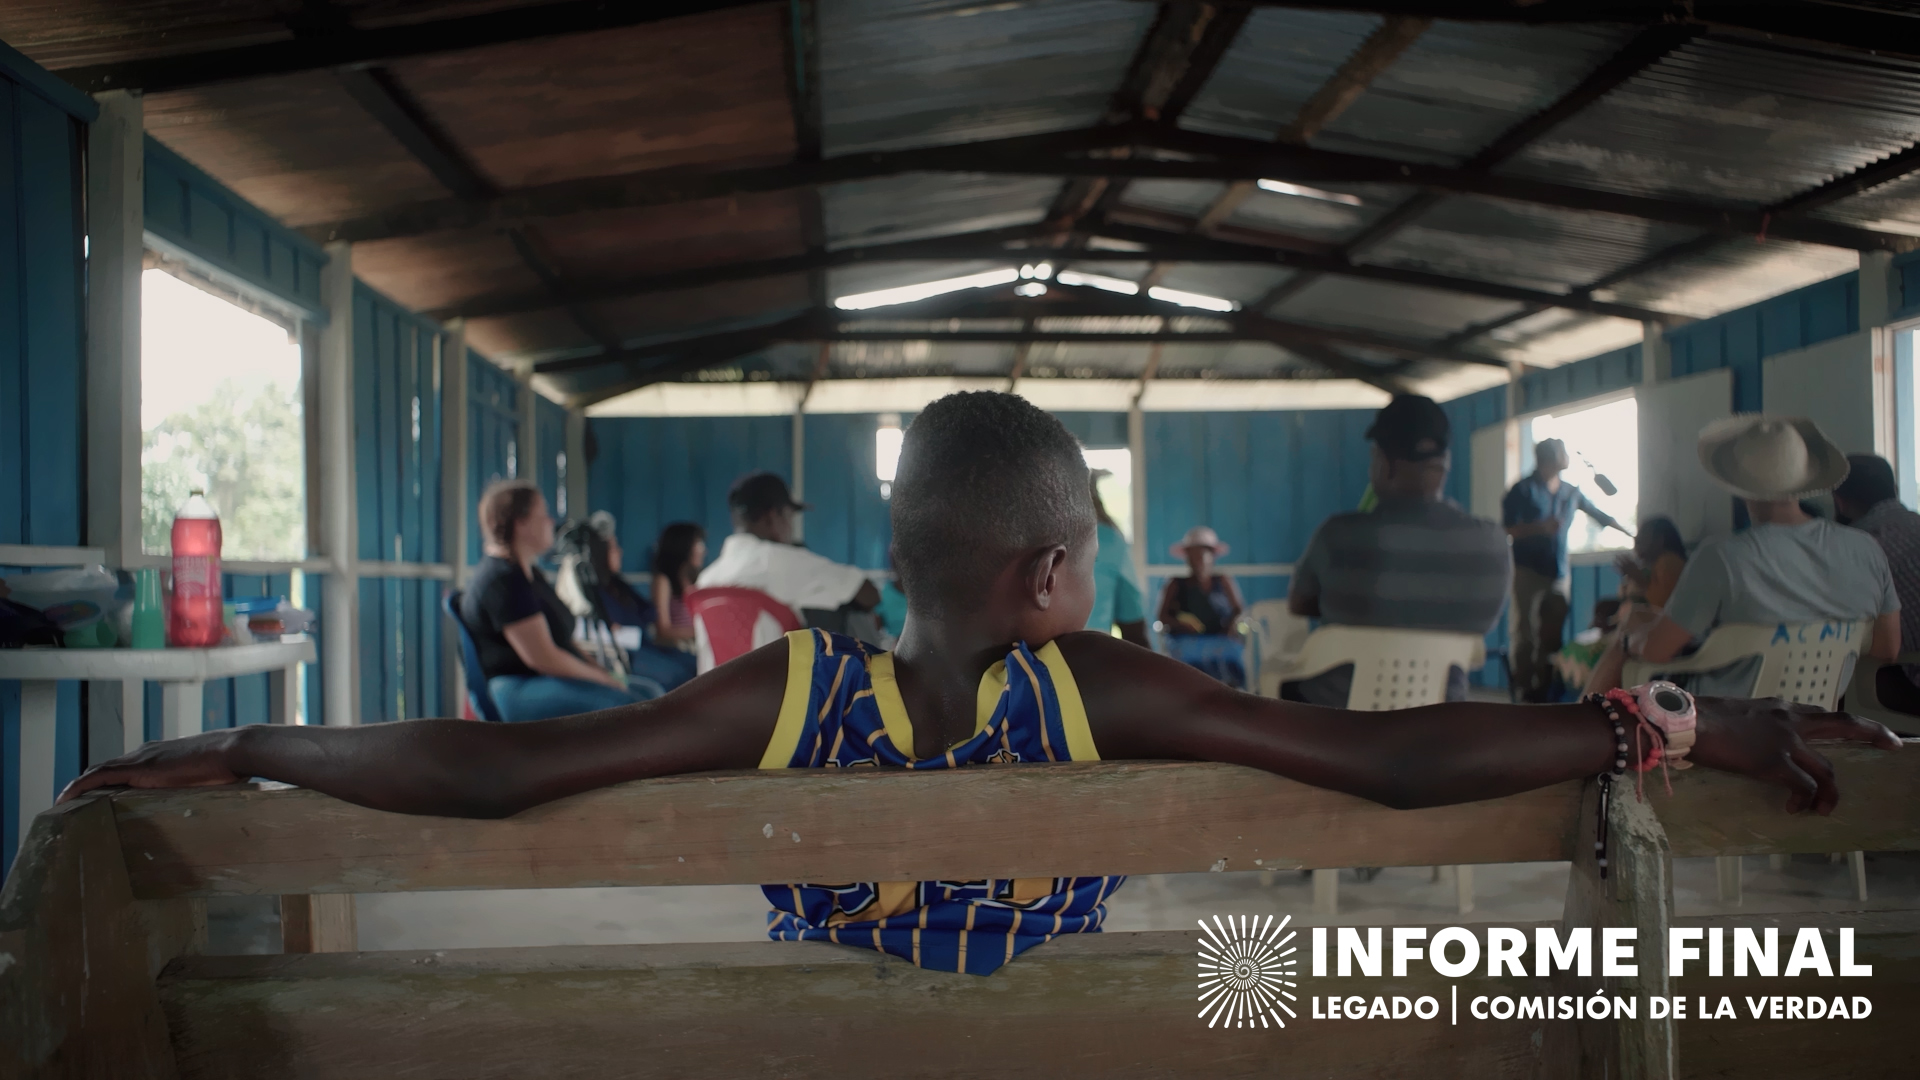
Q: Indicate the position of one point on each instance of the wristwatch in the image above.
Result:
(1671, 709)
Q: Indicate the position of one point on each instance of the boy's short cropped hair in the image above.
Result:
(983, 476)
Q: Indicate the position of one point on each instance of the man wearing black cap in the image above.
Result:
(1417, 561)
(761, 553)
(1869, 500)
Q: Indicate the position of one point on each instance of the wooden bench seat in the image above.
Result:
(101, 923)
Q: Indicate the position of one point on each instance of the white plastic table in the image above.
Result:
(181, 673)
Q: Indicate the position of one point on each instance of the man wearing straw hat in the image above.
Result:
(1789, 566)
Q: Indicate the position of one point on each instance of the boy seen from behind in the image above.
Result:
(994, 544)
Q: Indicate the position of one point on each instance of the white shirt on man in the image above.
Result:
(792, 575)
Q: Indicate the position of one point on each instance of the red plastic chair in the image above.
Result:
(731, 622)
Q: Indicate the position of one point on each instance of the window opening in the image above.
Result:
(1603, 440)
(220, 410)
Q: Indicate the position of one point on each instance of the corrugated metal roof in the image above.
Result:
(1318, 219)
(1523, 244)
(1745, 121)
(1740, 120)
(854, 359)
(1278, 61)
(1240, 282)
(1893, 207)
(1186, 197)
(872, 277)
(1461, 84)
(1735, 274)
(919, 205)
(1392, 309)
(899, 73)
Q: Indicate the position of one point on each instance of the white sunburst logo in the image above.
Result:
(1246, 968)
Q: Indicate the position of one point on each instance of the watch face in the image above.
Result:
(1670, 701)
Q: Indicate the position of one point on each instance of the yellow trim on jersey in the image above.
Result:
(893, 709)
(993, 684)
(793, 706)
(1073, 712)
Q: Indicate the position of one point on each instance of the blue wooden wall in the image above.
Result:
(1305, 465)
(190, 210)
(1742, 338)
(42, 358)
(42, 318)
(1263, 481)
(550, 441)
(493, 438)
(650, 473)
(396, 387)
(1906, 270)
(849, 521)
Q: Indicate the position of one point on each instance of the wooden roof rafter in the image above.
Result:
(1856, 27)
(407, 120)
(320, 44)
(1646, 49)
(1887, 169)
(663, 361)
(1088, 152)
(1153, 245)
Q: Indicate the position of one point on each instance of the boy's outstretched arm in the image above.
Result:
(457, 768)
(1142, 705)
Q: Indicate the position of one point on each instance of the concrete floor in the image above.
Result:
(1509, 893)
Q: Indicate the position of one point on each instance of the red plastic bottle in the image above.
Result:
(195, 619)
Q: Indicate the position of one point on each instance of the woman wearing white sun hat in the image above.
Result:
(1789, 566)
(1198, 612)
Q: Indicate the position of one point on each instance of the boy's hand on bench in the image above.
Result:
(1766, 738)
(195, 761)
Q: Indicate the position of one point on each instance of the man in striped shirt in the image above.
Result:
(1416, 561)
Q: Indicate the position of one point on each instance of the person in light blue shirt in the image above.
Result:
(1537, 512)
(1117, 599)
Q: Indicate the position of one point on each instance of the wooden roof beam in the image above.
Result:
(407, 120)
(1174, 60)
(1646, 49)
(1394, 36)
(1841, 25)
(1157, 246)
(1085, 153)
(1887, 169)
(319, 47)
(670, 359)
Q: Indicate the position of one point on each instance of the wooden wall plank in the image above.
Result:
(1115, 817)
(1092, 1005)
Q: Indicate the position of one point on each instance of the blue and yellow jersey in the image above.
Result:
(843, 711)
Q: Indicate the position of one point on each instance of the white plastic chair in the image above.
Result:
(1807, 662)
(1863, 694)
(1392, 669)
(1274, 637)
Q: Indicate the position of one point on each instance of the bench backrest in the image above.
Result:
(97, 922)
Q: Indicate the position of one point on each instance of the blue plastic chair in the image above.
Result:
(477, 694)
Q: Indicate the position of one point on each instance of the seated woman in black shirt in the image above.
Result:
(524, 634)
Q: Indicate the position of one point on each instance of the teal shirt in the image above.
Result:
(1116, 592)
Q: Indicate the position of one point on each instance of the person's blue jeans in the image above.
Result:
(1219, 655)
(667, 666)
(542, 697)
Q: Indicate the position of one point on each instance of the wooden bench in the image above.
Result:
(102, 921)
